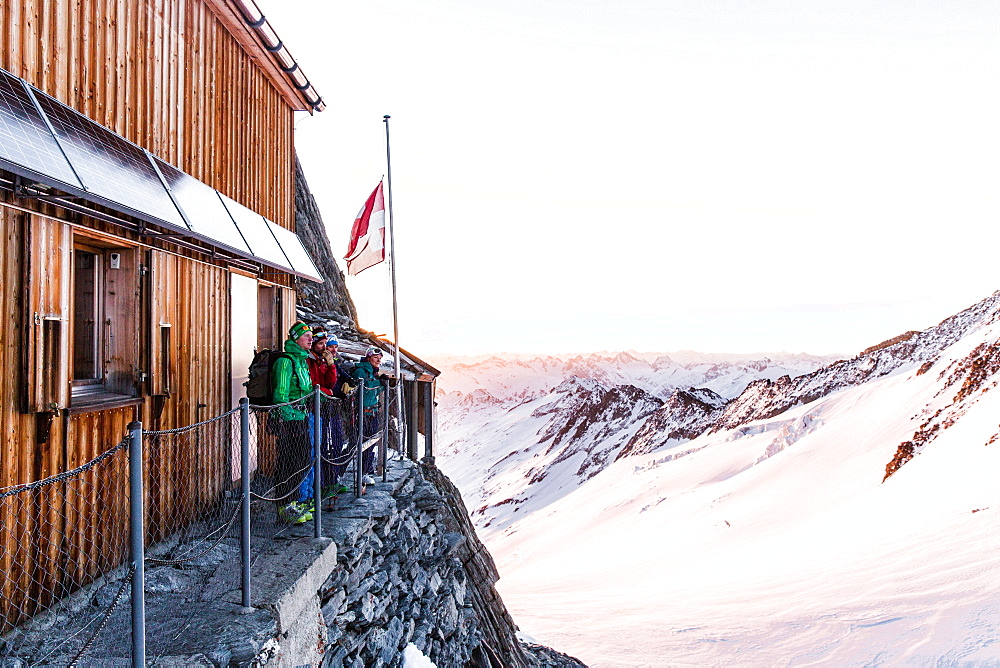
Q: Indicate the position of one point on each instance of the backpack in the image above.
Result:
(259, 387)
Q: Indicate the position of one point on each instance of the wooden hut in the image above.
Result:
(147, 239)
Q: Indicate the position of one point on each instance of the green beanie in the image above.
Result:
(297, 330)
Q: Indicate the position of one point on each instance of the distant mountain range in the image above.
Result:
(707, 501)
(519, 377)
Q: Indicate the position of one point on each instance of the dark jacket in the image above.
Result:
(370, 380)
(344, 369)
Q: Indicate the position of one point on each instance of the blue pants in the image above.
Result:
(306, 486)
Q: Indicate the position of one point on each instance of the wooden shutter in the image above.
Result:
(163, 285)
(49, 250)
(121, 326)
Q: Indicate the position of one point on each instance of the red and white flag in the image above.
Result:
(367, 247)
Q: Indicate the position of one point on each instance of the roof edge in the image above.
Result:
(251, 29)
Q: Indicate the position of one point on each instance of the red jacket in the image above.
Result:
(322, 374)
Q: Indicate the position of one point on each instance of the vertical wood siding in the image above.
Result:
(42, 532)
(29, 523)
(168, 76)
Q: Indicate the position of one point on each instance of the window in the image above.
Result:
(104, 326)
(81, 315)
(87, 279)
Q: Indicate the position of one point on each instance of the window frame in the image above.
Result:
(104, 392)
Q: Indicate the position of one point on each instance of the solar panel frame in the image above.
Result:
(27, 145)
(296, 252)
(206, 214)
(50, 143)
(114, 171)
(257, 234)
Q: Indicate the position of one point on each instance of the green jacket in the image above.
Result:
(367, 375)
(291, 381)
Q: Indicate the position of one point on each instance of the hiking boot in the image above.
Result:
(331, 491)
(295, 513)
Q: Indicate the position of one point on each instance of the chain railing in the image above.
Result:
(166, 513)
(61, 540)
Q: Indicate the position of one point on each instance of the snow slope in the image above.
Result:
(776, 542)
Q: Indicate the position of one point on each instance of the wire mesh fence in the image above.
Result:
(65, 565)
(192, 488)
(63, 541)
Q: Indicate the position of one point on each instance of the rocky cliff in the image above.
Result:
(411, 570)
(329, 300)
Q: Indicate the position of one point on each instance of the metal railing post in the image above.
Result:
(138, 552)
(359, 459)
(317, 461)
(411, 428)
(428, 422)
(384, 447)
(245, 499)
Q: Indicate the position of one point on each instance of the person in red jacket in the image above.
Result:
(323, 372)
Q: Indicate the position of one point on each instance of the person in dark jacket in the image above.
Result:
(291, 382)
(372, 385)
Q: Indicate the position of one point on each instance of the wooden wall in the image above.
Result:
(166, 75)
(193, 298)
(42, 532)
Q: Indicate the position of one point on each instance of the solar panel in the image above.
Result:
(257, 234)
(296, 252)
(205, 212)
(111, 167)
(26, 145)
(90, 161)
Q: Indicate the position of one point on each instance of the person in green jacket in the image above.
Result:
(372, 385)
(290, 382)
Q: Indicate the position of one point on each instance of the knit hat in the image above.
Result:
(297, 330)
(332, 341)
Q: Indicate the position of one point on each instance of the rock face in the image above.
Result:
(681, 418)
(411, 569)
(588, 418)
(972, 375)
(328, 300)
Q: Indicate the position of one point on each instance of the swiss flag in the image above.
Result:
(367, 247)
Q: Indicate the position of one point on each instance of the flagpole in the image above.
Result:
(395, 320)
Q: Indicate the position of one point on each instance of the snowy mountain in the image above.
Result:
(539, 427)
(845, 516)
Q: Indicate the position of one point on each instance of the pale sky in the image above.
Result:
(725, 176)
